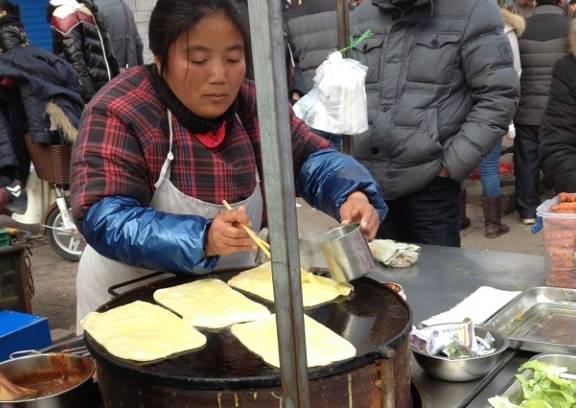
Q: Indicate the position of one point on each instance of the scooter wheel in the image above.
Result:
(69, 245)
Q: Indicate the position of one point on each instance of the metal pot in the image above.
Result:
(468, 368)
(67, 379)
(346, 252)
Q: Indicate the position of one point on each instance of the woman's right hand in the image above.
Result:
(226, 237)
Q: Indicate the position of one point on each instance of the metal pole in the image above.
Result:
(343, 23)
(343, 36)
(272, 94)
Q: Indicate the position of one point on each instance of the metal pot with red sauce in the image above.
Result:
(52, 375)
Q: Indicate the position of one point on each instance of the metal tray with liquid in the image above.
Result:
(541, 320)
(514, 390)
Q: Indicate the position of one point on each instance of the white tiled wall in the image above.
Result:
(142, 10)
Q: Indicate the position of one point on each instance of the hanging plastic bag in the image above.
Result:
(337, 102)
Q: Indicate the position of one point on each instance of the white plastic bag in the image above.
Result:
(337, 102)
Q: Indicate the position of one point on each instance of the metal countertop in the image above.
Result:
(440, 279)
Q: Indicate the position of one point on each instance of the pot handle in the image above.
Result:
(22, 353)
(81, 351)
(112, 289)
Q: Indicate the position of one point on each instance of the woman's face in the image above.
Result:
(207, 66)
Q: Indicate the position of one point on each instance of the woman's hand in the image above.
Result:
(357, 208)
(226, 237)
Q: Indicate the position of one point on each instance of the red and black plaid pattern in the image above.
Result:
(124, 142)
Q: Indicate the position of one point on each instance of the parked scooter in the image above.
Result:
(48, 206)
(48, 203)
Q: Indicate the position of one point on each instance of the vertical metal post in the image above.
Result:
(272, 92)
(343, 23)
(343, 36)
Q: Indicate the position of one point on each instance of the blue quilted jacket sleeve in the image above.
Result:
(328, 177)
(121, 229)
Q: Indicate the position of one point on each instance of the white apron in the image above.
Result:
(97, 273)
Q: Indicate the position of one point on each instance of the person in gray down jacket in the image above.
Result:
(441, 91)
(311, 27)
(543, 43)
(119, 22)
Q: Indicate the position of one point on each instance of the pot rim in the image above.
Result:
(44, 355)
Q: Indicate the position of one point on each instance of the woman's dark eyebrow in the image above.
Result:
(235, 47)
(192, 48)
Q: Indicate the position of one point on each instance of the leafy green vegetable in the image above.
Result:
(502, 402)
(542, 387)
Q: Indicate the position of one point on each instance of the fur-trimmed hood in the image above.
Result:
(513, 22)
(573, 38)
(59, 120)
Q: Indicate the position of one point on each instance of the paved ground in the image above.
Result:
(54, 278)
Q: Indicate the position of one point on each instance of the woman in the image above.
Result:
(558, 131)
(514, 26)
(162, 145)
(489, 169)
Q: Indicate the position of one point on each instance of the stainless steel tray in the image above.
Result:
(514, 391)
(541, 320)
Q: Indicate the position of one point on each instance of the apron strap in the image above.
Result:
(165, 171)
(256, 167)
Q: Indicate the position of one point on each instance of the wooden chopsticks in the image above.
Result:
(263, 245)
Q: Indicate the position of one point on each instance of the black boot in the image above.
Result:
(464, 220)
(492, 217)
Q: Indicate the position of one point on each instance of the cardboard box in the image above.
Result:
(21, 331)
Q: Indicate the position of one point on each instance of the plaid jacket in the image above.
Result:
(124, 142)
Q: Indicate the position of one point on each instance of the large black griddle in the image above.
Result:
(373, 318)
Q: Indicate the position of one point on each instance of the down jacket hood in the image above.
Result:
(513, 22)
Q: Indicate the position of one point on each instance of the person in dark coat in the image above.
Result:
(43, 98)
(79, 37)
(441, 90)
(119, 22)
(558, 131)
(543, 43)
(14, 160)
(11, 29)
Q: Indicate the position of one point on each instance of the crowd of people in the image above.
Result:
(43, 93)
(441, 102)
(160, 146)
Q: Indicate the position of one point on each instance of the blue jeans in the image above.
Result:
(490, 172)
(334, 138)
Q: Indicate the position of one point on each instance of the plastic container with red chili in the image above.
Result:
(559, 240)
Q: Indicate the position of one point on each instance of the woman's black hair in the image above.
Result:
(10, 8)
(172, 18)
